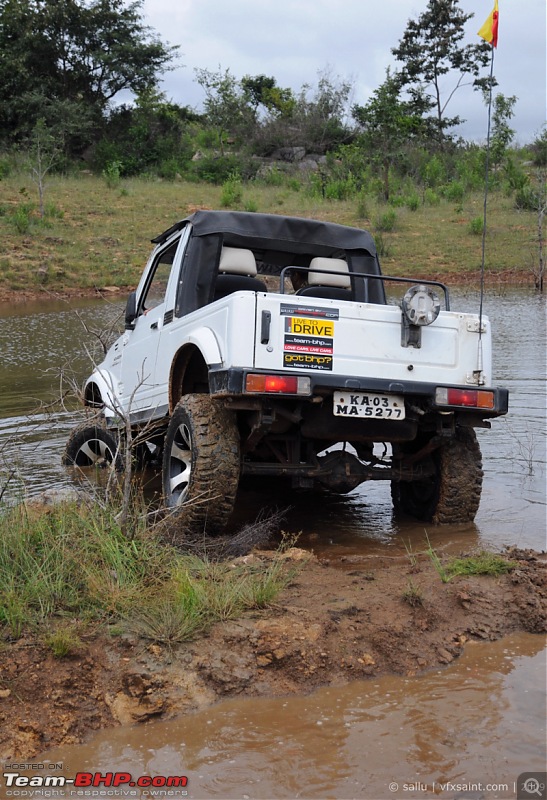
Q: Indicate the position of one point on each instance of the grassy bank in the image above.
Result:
(69, 570)
(95, 234)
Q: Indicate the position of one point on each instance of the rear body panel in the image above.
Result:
(364, 340)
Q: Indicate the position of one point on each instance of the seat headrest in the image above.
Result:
(340, 281)
(237, 261)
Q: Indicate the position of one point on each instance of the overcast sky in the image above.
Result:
(293, 40)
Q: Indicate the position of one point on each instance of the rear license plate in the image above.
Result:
(368, 404)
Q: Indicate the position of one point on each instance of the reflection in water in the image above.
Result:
(481, 720)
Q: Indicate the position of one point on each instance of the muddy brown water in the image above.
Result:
(480, 721)
(465, 731)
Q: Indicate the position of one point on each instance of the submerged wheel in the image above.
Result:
(91, 446)
(201, 465)
(452, 495)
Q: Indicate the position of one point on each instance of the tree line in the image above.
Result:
(64, 63)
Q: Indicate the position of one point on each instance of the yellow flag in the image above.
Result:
(489, 31)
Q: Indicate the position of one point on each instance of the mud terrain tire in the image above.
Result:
(201, 466)
(91, 446)
(453, 494)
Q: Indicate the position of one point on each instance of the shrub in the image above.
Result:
(526, 199)
(170, 169)
(386, 221)
(539, 149)
(434, 172)
(340, 189)
(476, 226)
(53, 211)
(5, 168)
(412, 202)
(112, 173)
(272, 176)
(362, 210)
(216, 169)
(454, 191)
(515, 178)
(383, 246)
(21, 218)
(431, 198)
(470, 168)
(232, 191)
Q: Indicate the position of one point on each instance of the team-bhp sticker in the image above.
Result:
(308, 343)
(307, 361)
(309, 327)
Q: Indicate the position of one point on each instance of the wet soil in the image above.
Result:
(507, 277)
(63, 293)
(353, 617)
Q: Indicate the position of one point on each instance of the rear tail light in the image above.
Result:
(277, 384)
(467, 398)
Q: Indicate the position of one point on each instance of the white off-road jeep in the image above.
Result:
(265, 345)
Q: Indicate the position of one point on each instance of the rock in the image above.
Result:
(52, 497)
(129, 709)
(307, 165)
(444, 656)
(290, 154)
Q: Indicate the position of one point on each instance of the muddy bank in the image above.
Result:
(339, 620)
(63, 293)
(494, 279)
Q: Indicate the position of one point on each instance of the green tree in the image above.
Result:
(257, 89)
(72, 52)
(319, 122)
(262, 90)
(43, 153)
(430, 49)
(387, 123)
(226, 104)
(502, 134)
(152, 133)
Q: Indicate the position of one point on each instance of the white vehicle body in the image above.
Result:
(214, 314)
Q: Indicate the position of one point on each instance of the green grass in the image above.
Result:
(413, 594)
(63, 641)
(100, 236)
(73, 563)
(482, 563)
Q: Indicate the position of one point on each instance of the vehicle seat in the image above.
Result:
(237, 273)
(333, 287)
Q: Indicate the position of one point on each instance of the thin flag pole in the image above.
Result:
(486, 175)
(488, 32)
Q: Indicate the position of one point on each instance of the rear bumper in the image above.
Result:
(231, 383)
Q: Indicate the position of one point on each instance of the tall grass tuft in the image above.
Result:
(482, 563)
(73, 560)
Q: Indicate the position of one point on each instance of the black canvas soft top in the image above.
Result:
(297, 233)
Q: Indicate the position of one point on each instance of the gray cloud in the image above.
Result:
(294, 40)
